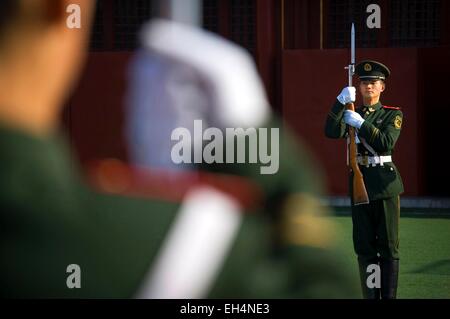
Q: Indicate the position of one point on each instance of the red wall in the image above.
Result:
(302, 84)
(433, 84)
(94, 116)
(311, 81)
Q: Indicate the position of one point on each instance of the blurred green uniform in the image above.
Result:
(50, 220)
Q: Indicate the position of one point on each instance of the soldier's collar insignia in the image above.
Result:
(372, 108)
(398, 122)
(367, 67)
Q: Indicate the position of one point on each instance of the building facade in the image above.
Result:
(300, 48)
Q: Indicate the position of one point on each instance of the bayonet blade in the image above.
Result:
(353, 44)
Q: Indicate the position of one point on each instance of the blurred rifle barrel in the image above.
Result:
(182, 11)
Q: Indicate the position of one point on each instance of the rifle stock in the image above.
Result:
(359, 189)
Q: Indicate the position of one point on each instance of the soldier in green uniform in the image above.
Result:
(375, 225)
(237, 235)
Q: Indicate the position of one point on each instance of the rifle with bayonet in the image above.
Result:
(359, 189)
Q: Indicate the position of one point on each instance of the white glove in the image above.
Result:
(238, 98)
(347, 95)
(353, 119)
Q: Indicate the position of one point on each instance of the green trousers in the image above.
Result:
(375, 229)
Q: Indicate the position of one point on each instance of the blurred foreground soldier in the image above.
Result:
(375, 225)
(232, 233)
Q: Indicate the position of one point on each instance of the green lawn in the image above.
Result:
(424, 255)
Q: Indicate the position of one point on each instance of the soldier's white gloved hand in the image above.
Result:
(348, 95)
(353, 119)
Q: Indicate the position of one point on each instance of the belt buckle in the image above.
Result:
(365, 160)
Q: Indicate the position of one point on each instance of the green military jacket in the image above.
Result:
(380, 130)
(50, 219)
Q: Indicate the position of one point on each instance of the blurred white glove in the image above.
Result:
(239, 98)
(182, 74)
(162, 95)
(353, 119)
(348, 95)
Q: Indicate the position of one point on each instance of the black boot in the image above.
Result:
(389, 278)
(368, 293)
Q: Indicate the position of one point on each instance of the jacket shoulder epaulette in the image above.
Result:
(391, 107)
